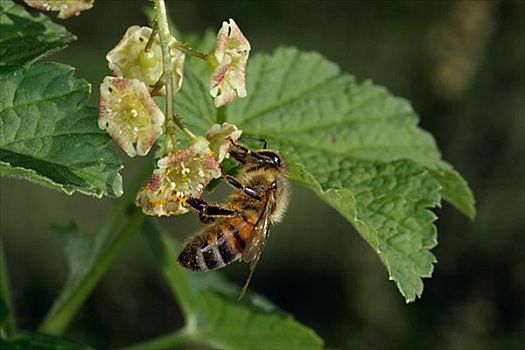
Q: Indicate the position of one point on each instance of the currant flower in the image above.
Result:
(230, 56)
(220, 137)
(178, 176)
(66, 8)
(129, 59)
(129, 115)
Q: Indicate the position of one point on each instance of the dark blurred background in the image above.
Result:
(461, 64)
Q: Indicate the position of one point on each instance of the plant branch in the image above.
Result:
(10, 327)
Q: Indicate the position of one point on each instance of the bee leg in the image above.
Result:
(205, 219)
(247, 190)
(239, 146)
(206, 210)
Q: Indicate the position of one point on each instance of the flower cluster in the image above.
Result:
(187, 172)
(130, 115)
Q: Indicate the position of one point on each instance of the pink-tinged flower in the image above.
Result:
(129, 115)
(220, 137)
(178, 176)
(129, 60)
(231, 54)
(67, 8)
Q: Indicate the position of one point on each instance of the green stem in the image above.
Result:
(161, 18)
(221, 115)
(152, 36)
(9, 328)
(70, 301)
(189, 51)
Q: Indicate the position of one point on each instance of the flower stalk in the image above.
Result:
(161, 19)
(189, 51)
(154, 29)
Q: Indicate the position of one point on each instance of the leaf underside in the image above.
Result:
(354, 144)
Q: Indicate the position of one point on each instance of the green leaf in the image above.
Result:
(78, 247)
(456, 191)
(215, 318)
(230, 325)
(49, 136)
(27, 37)
(355, 145)
(195, 105)
(39, 341)
(387, 203)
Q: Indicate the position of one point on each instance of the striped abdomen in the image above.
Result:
(216, 245)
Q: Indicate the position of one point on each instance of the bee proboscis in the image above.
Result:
(239, 228)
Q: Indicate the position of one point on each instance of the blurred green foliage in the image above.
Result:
(315, 266)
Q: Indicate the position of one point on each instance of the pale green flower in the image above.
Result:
(129, 115)
(129, 60)
(231, 53)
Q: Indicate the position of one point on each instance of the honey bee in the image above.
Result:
(239, 228)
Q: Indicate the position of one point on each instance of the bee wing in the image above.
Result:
(255, 247)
